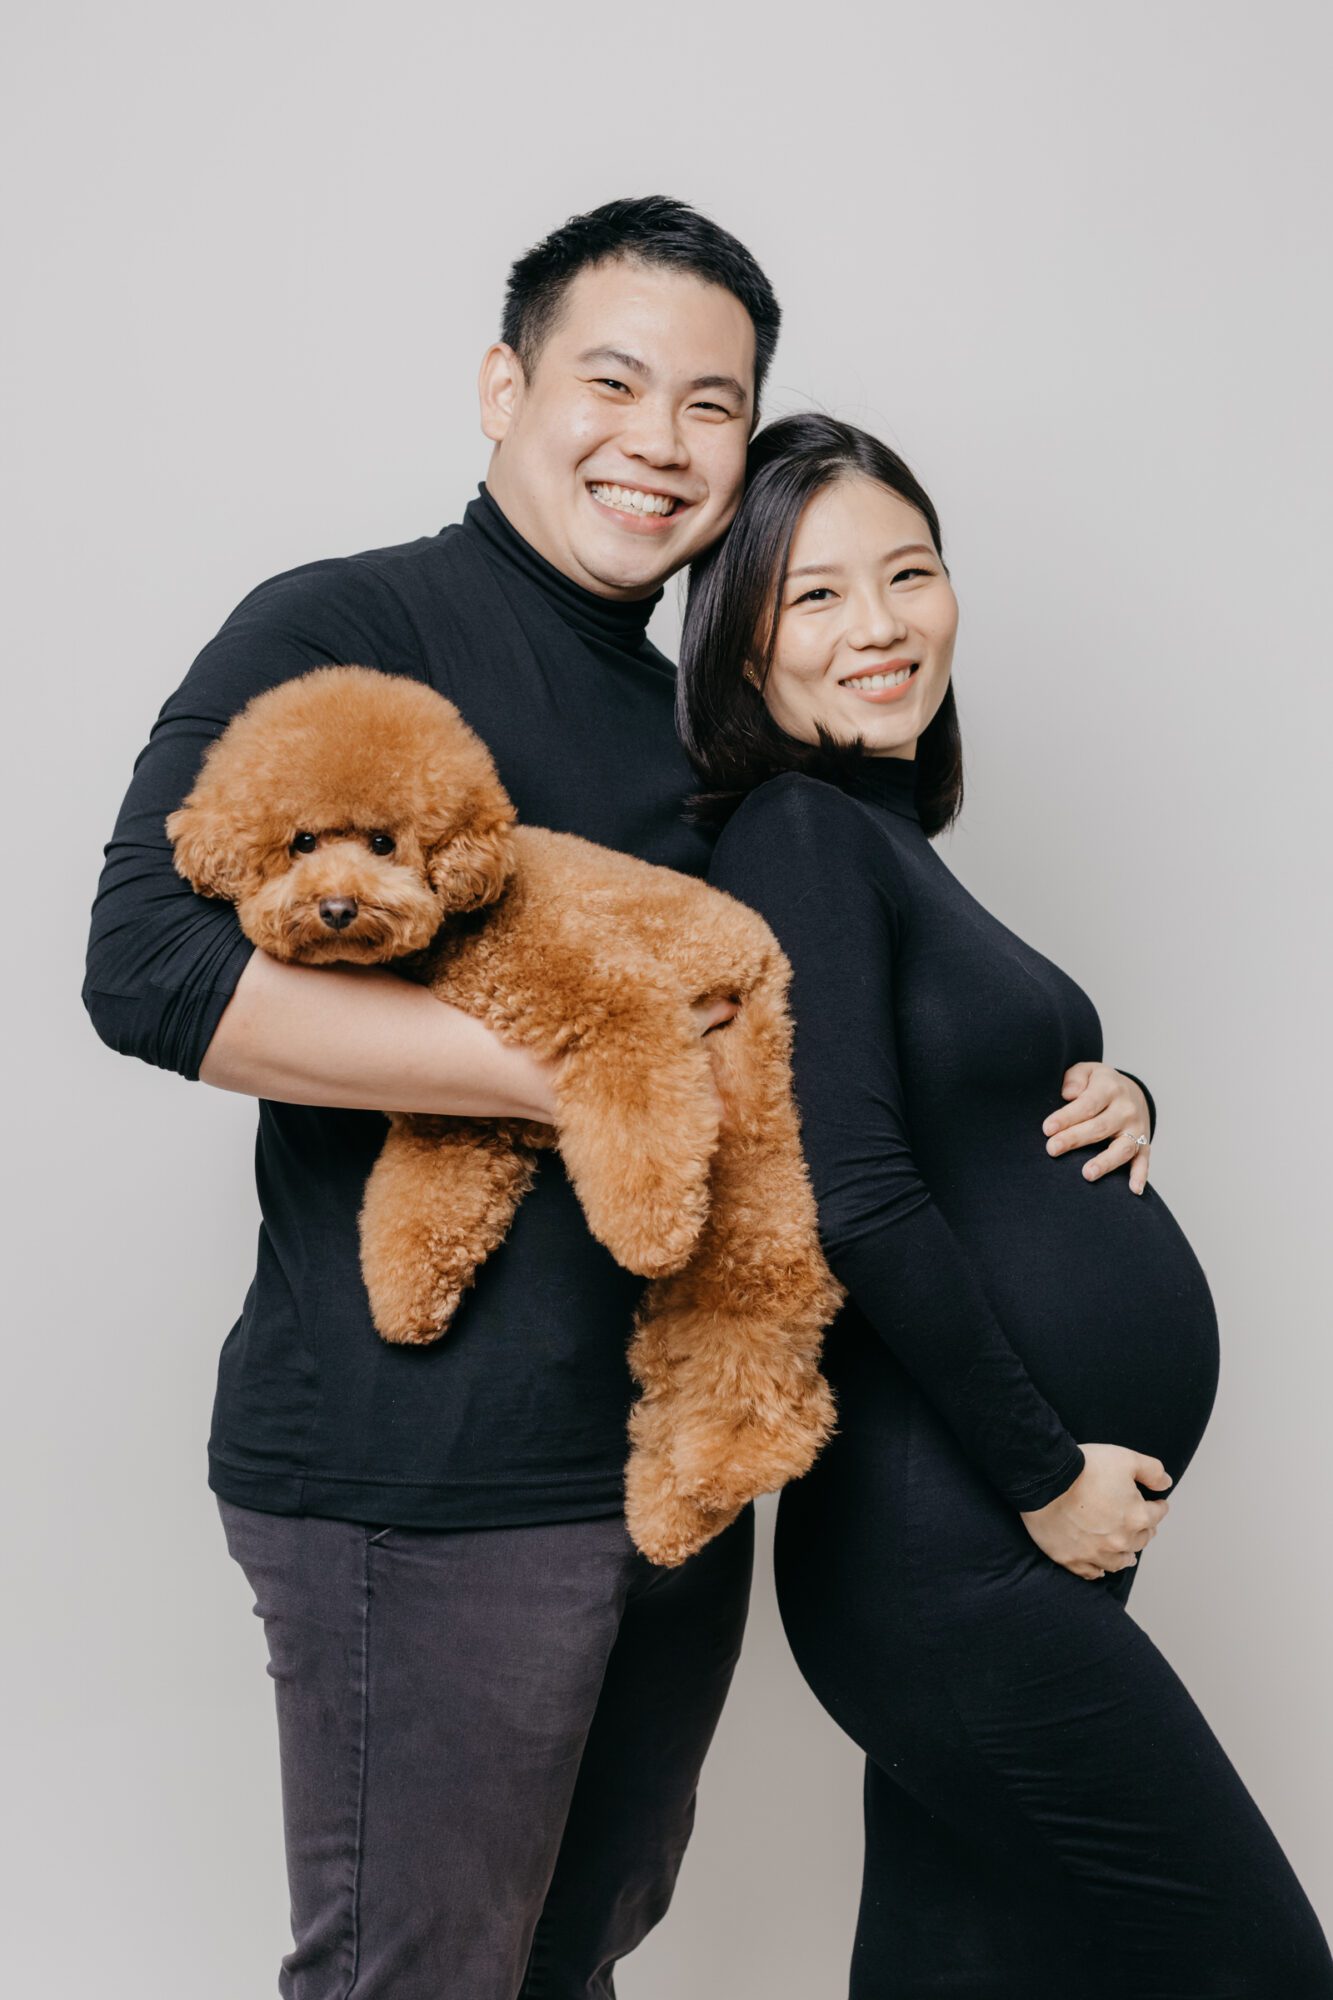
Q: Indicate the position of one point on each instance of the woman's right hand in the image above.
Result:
(1102, 1520)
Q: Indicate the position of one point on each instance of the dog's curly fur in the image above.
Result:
(360, 799)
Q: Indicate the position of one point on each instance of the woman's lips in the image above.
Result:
(880, 695)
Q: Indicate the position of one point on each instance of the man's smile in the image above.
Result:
(642, 509)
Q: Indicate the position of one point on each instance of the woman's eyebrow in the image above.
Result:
(836, 569)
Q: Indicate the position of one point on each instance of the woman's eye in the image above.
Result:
(381, 843)
(812, 596)
(912, 572)
(304, 843)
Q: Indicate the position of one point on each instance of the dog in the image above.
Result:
(353, 817)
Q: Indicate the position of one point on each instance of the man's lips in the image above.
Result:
(640, 509)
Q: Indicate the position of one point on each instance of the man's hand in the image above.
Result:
(1102, 1520)
(1102, 1104)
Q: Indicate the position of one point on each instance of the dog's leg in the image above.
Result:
(440, 1198)
(637, 1119)
(727, 1350)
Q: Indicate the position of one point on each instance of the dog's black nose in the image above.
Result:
(338, 911)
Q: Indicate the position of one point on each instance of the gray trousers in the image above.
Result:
(490, 1742)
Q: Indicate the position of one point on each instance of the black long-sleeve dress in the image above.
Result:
(1047, 1811)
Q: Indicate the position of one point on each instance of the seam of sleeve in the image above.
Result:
(391, 589)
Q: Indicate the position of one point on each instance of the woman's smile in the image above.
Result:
(881, 684)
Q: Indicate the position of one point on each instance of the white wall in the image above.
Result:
(1070, 261)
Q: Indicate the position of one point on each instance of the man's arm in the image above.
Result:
(171, 977)
(361, 1039)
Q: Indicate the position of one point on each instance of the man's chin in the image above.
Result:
(630, 572)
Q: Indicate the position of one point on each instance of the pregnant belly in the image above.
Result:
(1102, 1296)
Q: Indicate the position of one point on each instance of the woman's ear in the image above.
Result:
(471, 870)
(209, 851)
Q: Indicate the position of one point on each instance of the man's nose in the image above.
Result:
(653, 434)
(337, 911)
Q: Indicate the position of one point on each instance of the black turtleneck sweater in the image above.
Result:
(1032, 1307)
(518, 1414)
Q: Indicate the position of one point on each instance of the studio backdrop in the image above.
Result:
(1072, 264)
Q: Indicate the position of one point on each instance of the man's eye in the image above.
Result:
(304, 843)
(381, 843)
(609, 382)
(719, 409)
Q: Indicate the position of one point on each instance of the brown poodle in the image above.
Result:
(352, 815)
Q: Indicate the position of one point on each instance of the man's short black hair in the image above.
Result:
(652, 229)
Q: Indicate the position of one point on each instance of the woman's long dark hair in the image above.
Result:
(731, 621)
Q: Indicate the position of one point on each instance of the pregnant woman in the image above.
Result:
(1028, 1354)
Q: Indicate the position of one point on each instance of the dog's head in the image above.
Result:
(346, 813)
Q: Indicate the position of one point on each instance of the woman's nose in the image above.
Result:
(875, 621)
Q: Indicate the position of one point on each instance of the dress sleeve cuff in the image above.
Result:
(1028, 1498)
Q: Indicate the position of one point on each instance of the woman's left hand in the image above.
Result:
(1102, 1104)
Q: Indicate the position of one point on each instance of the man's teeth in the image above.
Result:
(880, 680)
(631, 501)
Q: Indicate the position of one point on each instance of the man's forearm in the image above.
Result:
(361, 1039)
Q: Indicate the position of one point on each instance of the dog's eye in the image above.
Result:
(304, 843)
(381, 843)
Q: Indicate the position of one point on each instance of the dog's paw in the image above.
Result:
(722, 1463)
(413, 1321)
(667, 1526)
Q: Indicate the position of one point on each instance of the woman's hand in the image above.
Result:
(1102, 1104)
(1102, 1520)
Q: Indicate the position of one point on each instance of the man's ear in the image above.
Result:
(208, 851)
(500, 385)
(471, 870)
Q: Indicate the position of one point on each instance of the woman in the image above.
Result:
(1028, 1355)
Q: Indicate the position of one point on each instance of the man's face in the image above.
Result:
(623, 454)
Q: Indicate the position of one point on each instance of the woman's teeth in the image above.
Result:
(631, 501)
(892, 680)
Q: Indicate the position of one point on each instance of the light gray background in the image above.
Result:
(1072, 262)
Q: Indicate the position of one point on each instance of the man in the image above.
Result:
(492, 1711)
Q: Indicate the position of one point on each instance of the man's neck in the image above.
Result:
(527, 521)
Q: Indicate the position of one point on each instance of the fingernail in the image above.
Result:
(1048, 1125)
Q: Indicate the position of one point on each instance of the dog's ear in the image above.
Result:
(471, 870)
(209, 851)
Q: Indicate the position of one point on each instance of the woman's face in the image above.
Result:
(867, 622)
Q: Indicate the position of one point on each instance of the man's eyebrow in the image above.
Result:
(727, 382)
(628, 361)
(835, 569)
(633, 366)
